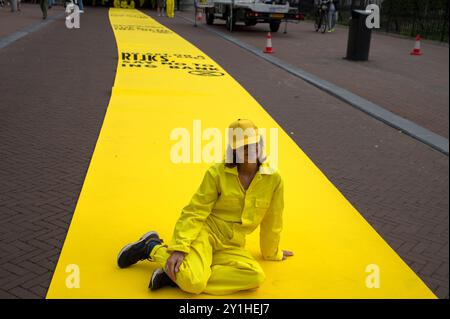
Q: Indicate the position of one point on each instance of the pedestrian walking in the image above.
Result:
(14, 5)
(44, 5)
(170, 8)
(333, 15)
(81, 6)
(160, 5)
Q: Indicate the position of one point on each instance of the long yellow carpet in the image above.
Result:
(163, 82)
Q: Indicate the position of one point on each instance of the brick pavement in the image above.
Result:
(53, 96)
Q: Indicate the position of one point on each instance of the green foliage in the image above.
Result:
(428, 18)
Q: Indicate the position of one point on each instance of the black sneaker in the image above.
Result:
(140, 250)
(160, 279)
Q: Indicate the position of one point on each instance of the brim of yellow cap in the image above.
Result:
(247, 140)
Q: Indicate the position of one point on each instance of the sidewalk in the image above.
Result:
(412, 87)
(28, 15)
(53, 98)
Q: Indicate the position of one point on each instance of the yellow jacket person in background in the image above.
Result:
(170, 8)
(207, 253)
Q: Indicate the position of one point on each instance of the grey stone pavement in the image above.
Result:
(50, 122)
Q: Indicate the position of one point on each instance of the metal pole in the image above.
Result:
(13, 5)
(195, 13)
(231, 15)
(444, 28)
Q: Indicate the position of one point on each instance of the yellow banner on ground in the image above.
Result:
(132, 186)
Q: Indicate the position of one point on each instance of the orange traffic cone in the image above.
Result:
(199, 16)
(269, 48)
(416, 50)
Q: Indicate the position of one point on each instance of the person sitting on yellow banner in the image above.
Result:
(207, 253)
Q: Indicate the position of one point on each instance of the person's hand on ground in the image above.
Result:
(287, 253)
(173, 264)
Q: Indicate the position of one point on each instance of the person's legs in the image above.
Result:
(233, 269)
(170, 8)
(331, 17)
(80, 5)
(159, 5)
(336, 15)
(44, 5)
(196, 267)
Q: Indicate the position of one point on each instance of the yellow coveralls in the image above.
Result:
(170, 8)
(211, 231)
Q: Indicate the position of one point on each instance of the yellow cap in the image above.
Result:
(242, 132)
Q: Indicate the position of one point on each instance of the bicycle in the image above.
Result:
(321, 21)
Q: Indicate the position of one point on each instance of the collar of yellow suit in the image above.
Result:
(264, 168)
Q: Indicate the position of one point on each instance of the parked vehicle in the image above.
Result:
(250, 12)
